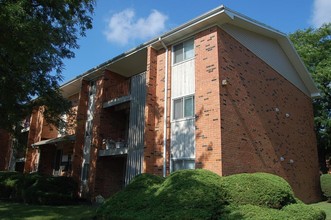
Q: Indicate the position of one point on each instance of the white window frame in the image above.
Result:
(182, 159)
(184, 58)
(183, 108)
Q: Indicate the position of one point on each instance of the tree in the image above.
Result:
(314, 47)
(35, 36)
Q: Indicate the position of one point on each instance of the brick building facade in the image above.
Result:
(221, 92)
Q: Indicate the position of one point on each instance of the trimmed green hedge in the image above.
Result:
(326, 185)
(201, 194)
(187, 194)
(290, 212)
(261, 189)
(37, 189)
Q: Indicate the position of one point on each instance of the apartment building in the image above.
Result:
(221, 92)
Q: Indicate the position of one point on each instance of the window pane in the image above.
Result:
(178, 108)
(178, 53)
(188, 49)
(177, 165)
(189, 106)
(182, 164)
(189, 164)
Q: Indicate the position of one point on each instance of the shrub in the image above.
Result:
(186, 194)
(201, 194)
(260, 189)
(290, 212)
(253, 212)
(191, 194)
(34, 188)
(134, 201)
(326, 186)
(302, 211)
(48, 190)
(9, 182)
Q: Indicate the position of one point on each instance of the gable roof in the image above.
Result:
(136, 58)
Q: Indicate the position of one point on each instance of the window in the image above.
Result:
(184, 163)
(183, 107)
(184, 51)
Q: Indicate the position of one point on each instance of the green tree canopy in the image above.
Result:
(314, 47)
(35, 36)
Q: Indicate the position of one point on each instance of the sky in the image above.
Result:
(120, 25)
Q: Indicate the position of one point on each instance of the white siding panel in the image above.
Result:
(183, 139)
(269, 51)
(182, 79)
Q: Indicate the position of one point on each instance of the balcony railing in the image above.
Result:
(111, 147)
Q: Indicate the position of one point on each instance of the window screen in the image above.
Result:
(183, 107)
(188, 106)
(178, 53)
(184, 51)
(178, 108)
(188, 49)
(182, 164)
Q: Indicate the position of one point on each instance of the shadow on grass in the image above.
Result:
(38, 212)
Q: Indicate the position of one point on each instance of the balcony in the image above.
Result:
(112, 148)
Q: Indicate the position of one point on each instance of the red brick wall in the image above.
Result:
(80, 131)
(154, 111)
(96, 131)
(115, 85)
(35, 132)
(150, 112)
(48, 131)
(207, 104)
(72, 119)
(265, 119)
(5, 148)
(46, 162)
(109, 175)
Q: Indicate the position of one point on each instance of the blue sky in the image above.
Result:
(119, 25)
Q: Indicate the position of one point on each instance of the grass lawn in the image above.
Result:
(326, 207)
(38, 212)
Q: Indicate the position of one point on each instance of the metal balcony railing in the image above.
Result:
(112, 147)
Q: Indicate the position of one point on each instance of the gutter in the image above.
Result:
(165, 109)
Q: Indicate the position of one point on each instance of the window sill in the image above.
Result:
(184, 61)
(182, 119)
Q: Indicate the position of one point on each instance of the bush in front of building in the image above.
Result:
(193, 194)
(48, 190)
(9, 182)
(37, 189)
(201, 194)
(135, 200)
(186, 194)
(261, 189)
(289, 212)
(326, 186)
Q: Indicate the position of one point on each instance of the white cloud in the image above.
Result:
(321, 12)
(124, 26)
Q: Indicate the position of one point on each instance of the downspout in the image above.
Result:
(165, 109)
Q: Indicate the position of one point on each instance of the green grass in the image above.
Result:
(41, 212)
(324, 206)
